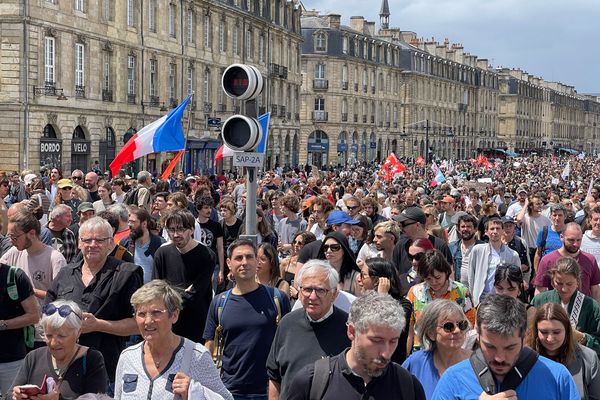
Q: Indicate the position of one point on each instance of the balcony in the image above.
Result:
(80, 91)
(173, 102)
(221, 107)
(131, 98)
(107, 95)
(274, 109)
(364, 119)
(365, 88)
(274, 69)
(356, 87)
(344, 85)
(282, 111)
(319, 116)
(395, 124)
(288, 115)
(462, 107)
(297, 115)
(373, 89)
(49, 89)
(283, 72)
(207, 107)
(344, 117)
(320, 84)
(355, 117)
(372, 119)
(154, 101)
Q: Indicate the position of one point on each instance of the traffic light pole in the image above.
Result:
(251, 188)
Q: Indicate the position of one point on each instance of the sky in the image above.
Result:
(555, 40)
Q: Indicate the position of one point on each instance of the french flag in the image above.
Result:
(164, 134)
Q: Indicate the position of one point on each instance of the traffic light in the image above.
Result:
(242, 82)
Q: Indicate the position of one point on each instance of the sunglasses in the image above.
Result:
(299, 243)
(352, 207)
(64, 310)
(77, 178)
(449, 327)
(332, 247)
(417, 257)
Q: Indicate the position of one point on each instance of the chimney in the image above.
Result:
(482, 63)
(334, 21)
(370, 28)
(357, 23)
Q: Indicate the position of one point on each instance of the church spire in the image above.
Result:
(384, 15)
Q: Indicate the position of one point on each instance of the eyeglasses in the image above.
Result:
(307, 291)
(15, 237)
(352, 208)
(297, 243)
(417, 257)
(154, 314)
(449, 327)
(332, 247)
(179, 230)
(64, 310)
(97, 240)
(77, 178)
(404, 224)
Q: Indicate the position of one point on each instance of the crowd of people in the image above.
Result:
(353, 283)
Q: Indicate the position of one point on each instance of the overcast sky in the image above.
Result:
(556, 40)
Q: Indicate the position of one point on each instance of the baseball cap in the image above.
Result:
(340, 217)
(508, 220)
(449, 199)
(63, 183)
(455, 193)
(413, 214)
(521, 190)
(29, 178)
(85, 206)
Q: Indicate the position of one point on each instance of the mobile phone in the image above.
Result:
(169, 385)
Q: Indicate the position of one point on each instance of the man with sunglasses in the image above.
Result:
(306, 335)
(412, 221)
(502, 367)
(77, 177)
(102, 286)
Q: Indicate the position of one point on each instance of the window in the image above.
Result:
(172, 80)
(152, 6)
(249, 43)
(319, 104)
(130, 11)
(153, 77)
(320, 71)
(236, 40)
(79, 64)
(131, 74)
(345, 45)
(321, 42)
(172, 14)
(78, 5)
(106, 75)
(49, 60)
(190, 80)
(345, 73)
(207, 86)
(108, 10)
(261, 48)
(190, 26)
(207, 37)
(222, 36)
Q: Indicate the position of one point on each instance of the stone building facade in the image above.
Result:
(79, 77)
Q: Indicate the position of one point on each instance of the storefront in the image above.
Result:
(80, 150)
(50, 149)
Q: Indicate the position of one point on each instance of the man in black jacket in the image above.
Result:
(141, 242)
(365, 370)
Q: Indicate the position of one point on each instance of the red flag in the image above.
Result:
(171, 166)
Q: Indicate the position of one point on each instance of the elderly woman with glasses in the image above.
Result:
(164, 364)
(434, 271)
(441, 330)
(65, 368)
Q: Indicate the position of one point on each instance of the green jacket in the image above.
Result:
(589, 317)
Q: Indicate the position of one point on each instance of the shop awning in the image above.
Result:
(570, 151)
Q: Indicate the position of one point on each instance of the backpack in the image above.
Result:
(131, 198)
(13, 294)
(512, 380)
(322, 375)
(219, 340)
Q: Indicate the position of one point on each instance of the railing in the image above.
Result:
(131, 98)
(320, 84)
(319, 115)
(107, 95)
(344, 85)
(207, 107)
(344, 117)
(154, 101)
(355, 117)
(79, 91)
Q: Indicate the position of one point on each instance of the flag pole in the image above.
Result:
(187, 132)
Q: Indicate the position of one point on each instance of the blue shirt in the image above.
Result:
(421, 365)
(553, 241)
(546, 380)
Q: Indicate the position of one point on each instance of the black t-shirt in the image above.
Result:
(231, 232)
(107, 296)
(248, 329)
(94, 196)
(211, 231)
(13, 340)
(191, 272)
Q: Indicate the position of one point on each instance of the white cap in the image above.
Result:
(29, 178)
